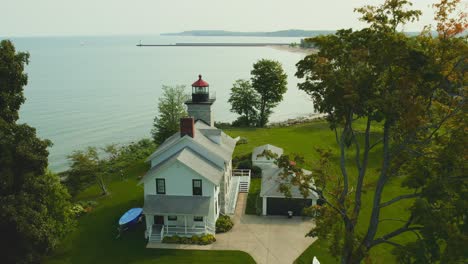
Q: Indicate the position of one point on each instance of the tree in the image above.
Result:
(409, 88)
(244, 101)
(92, 166)
(12, 80)
(86, 168)
(170, 109)
(34, 206)
(269, 80)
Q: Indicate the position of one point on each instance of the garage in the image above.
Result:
(280, 206)
(274, 202)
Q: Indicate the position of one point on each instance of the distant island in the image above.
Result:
(223, 33)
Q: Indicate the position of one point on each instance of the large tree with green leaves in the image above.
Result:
(408, 90)
(34, 206)
(269, 80)
(244, 101)
(170, 109)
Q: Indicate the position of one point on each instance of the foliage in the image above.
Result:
(244, 101)
(245, 164)
(306, 44)
(252, 205)
(194, 240)
(46, 201)
(12, 80)
(170, 109)
(34, 206)
(256, 172)
(222, 125)
(269, 80)
(94, 240)
(223, 224)
(90, 167)
(77, 210)
(412, 86)
(242, 140)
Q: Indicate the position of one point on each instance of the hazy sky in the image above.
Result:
(106, 17)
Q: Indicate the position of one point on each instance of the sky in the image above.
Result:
(123, 17)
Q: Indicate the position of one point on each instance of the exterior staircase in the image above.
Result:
(155, 234)
(240, 182)
(244, 186)
(244, 179)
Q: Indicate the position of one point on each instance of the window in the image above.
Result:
(198, 218)
(160, 186)
(197, 187)
(172, 218)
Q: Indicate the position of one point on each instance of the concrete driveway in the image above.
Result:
(268, 239)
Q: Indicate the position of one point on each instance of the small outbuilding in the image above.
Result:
(274, 201)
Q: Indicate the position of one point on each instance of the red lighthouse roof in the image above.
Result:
(200, 82)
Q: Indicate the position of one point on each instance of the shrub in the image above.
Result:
(256, 172)
(245, 164)
(196, 240)
(242, 140)
(207, 239)
(223, 224)
(77, 210)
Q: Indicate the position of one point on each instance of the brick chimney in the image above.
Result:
(187, 126)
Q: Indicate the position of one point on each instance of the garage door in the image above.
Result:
(281, 206)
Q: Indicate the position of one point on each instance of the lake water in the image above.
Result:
(92, 91)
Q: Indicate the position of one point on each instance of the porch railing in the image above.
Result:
(241, 172)
(182, 230)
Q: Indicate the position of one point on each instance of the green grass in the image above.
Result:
(304, 139)
(95, 241)
(253, 196)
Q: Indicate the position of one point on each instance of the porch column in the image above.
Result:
(204, 220)
(185, 222)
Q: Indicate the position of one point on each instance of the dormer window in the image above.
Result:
(197, 187)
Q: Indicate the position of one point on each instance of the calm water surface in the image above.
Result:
(92, 91)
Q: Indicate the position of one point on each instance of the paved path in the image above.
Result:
(268, 239)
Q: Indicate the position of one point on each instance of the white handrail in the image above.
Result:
(150, 231)
(241, 172)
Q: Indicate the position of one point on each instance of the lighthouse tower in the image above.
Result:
(199, 107)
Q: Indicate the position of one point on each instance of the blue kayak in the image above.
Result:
(131, 216)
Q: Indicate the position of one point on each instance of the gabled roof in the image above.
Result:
(271, 182)
(223, 150)
(193, 161)
(259, 150)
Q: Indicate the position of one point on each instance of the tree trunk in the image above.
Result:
(261, 121)
(102, 185)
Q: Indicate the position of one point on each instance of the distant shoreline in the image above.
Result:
(306, 51)
(214, 44)
(292, 33)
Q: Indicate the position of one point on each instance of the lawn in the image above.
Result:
(304, 139)
(95, 238)
(253, 200)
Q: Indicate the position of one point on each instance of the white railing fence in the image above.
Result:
(241, 172)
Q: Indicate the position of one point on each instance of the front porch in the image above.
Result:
(157, 232)
(168, 215)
